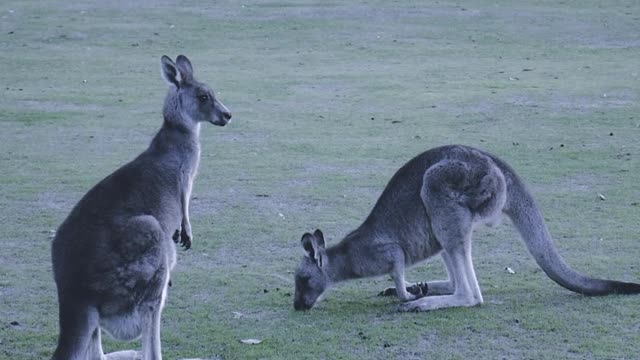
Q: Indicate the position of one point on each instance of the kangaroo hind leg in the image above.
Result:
(124, 355)
(442, 287)
(449, 192)
(153, 256)
(466, 291)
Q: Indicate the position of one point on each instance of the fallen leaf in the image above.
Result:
(251, 341)
(602, 197)
(237, 315)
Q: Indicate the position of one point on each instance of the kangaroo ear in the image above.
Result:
(170, 71)
(185, 68)
(319, 237)
(312, 246)
(308, 245)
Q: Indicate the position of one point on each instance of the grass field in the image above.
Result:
(329, 100)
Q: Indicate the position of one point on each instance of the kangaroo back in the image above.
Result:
(527, 218)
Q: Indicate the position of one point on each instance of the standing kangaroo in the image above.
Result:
(431, 206)
(113, 254)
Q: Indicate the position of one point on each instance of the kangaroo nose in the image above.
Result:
(227, 115)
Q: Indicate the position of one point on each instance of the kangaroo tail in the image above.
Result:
(527, 218)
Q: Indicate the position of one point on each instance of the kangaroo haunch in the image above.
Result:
(431, 206)
(113, 254)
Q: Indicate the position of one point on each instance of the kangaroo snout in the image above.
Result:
(226, 115)
(222, 119)
(222, 114)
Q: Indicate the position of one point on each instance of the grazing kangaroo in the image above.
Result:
(431, 206)
(113, 254)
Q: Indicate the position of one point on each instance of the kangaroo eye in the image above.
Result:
(204, 97)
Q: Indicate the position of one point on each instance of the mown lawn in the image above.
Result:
(329, 100)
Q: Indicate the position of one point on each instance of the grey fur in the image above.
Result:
(113, 254)
(430, 207)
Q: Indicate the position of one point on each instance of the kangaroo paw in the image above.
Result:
(181, 236)
(390, 291)
(419, 289)
(185, 239)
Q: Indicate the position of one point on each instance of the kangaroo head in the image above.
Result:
(190, 102)
(311, 280)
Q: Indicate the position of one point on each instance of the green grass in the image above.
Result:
(329, 100)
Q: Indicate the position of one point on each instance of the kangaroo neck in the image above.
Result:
(340, 265)
(179, 128)
(172, 137)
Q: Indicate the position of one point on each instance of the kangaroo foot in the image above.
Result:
(124, 355)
